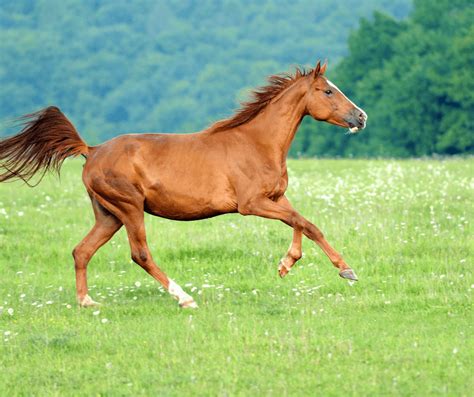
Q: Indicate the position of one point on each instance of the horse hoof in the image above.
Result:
(189, 305)
(282, 269)
(348, 274)
(87, 301)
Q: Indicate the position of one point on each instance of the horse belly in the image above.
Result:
(179, 204)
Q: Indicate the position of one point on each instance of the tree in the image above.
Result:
(414, 78)
(118, 66)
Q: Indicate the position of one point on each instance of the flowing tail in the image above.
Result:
(45, 141)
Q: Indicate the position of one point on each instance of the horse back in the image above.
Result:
(176, 176)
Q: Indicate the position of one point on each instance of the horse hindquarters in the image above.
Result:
(118, 195)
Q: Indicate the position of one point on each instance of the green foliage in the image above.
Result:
(121, 66)
(414, 78)
(117, 66)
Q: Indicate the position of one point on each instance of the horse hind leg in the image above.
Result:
(293, 255)
(126, 202)
(105, 227)
(141, 255)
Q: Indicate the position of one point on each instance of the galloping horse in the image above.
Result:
(235, 165)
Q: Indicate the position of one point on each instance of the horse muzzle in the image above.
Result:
(356, 120)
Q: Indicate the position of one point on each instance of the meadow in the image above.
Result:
(404, 329)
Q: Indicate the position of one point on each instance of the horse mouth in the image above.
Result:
(353, 129)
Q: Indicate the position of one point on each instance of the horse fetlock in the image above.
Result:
(87, 301)
(295, 255)
(189, 304)
(284, 267)
(184, 300)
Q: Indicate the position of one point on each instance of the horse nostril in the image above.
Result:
(357, 118)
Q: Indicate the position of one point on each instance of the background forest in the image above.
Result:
(176, 66)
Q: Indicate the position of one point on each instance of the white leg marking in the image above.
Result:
(87, 301)
(284, 265)
(182, 297)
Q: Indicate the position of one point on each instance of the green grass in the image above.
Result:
(404, 329)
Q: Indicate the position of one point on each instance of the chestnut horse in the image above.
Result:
(236, 165)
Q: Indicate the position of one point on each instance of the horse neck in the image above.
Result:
(275, 127)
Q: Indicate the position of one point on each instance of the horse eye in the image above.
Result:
(328, 92)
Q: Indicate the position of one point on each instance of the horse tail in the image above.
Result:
(43, 144)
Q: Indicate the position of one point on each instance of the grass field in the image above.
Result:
(404, 329)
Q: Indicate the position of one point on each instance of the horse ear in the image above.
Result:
(317, 69)
(323, 68)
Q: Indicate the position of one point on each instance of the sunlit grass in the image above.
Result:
(404, 329)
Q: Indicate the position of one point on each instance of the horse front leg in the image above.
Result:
(295, 251)
(283, 211)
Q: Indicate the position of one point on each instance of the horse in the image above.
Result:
(237, 165)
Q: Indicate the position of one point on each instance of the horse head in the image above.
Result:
(326, 102)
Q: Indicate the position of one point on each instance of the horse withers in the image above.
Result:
(235, 165)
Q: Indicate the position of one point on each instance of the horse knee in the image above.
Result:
(314, 233)
(319, 235)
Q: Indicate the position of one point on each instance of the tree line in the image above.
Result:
(118, 66)
(415, 79)
(177, 66)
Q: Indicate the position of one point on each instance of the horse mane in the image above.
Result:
(260, 98)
